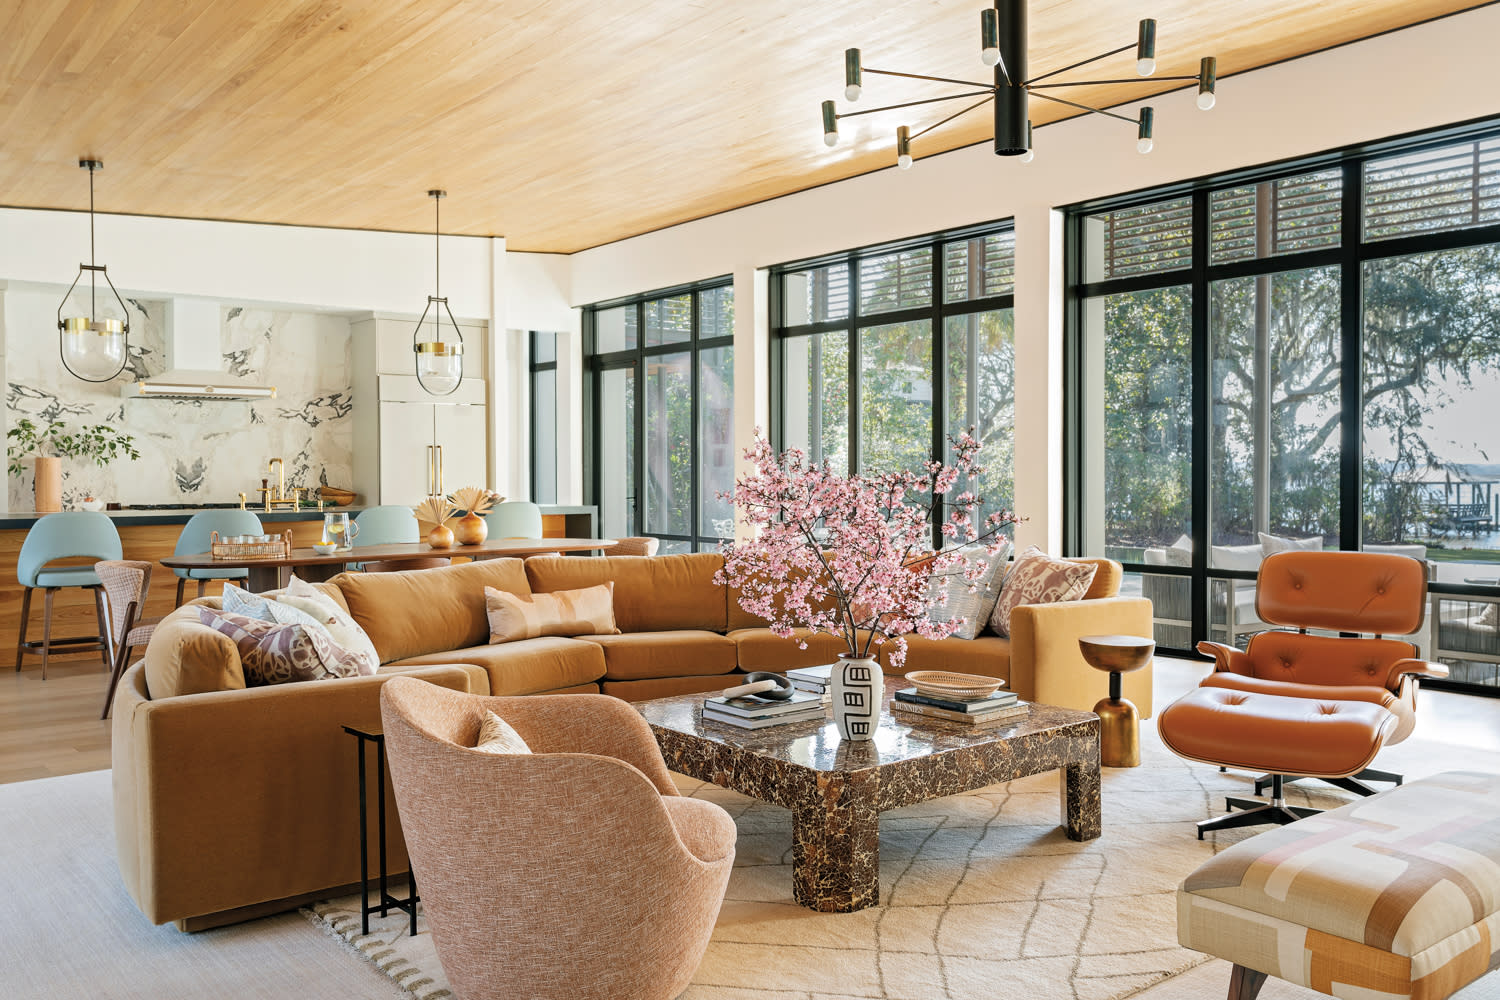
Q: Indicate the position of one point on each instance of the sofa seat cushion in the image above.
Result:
(680, 653)
(421, 611)
(652, 593)
(670, 687)
(988, 655)
(528, 666)
(762, 649)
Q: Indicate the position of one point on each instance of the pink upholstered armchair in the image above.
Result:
(574, 872)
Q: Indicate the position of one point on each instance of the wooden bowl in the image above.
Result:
(335, 496)
(946, 684)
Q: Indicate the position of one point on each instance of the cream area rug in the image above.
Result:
(981, 895)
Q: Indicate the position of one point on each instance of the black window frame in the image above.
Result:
(536, 367)
(1350, 257)
(936, 313)
(596, 364)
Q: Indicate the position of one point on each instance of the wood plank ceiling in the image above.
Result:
(559, 124)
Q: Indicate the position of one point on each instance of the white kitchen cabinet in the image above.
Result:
(403, 435)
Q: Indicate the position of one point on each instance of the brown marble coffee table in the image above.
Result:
(837, 790)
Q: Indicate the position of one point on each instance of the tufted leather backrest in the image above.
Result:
(1368, 592)
(1325, 659)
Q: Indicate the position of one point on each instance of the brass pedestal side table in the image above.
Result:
(1120, 723)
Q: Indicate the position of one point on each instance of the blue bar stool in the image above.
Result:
(514, 519)
(196, 536)
(67, 535)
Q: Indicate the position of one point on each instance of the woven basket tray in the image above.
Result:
(946, 684)
(279, 548)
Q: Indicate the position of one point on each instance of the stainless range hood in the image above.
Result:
(193, 360)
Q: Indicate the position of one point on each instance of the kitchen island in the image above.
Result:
(150, 534)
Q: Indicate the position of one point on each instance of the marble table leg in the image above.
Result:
(836, 846)
(1081, 800)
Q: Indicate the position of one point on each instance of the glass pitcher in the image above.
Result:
(339, 531)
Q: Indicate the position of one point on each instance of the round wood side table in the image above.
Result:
(1119, 722)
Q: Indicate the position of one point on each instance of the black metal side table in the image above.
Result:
(386, 900)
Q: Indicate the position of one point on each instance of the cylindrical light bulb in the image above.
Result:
(1028, 156)
(989, 37)
(1147, 121)
(903, 147)
(1145, 48)
(1208, 79)
(1144, 145)
(853, 76)
(830, 124)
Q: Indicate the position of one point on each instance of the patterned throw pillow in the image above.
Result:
(278, 654)
(1039, 579)
(976, 605)
(497, 736)
(590, 611)
(344, 629)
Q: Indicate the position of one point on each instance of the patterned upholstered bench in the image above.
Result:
(1394, 896)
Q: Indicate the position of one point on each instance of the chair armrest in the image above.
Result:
(1226, 658)
(1418, 668)
(1046, 664)
(588, 724)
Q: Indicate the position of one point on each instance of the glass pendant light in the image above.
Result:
(440, 359)
(93, 331)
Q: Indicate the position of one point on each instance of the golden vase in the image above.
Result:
(440, 537)
(470, 529)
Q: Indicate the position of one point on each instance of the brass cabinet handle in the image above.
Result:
(440, 470)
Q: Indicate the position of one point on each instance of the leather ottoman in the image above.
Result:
(1321, 738)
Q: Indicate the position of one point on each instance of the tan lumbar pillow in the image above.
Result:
(590, 611)
(498, 736)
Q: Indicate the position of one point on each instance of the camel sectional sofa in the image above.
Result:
(232, 802)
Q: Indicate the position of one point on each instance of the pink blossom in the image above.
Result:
(852, 555)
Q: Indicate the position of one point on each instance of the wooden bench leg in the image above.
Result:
(1245, 984)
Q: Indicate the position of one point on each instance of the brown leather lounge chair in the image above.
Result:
(1298, 704)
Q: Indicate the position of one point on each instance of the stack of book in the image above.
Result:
(754, 712)
(973, 712)
(814, 679)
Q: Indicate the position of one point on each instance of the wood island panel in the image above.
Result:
(73, 608)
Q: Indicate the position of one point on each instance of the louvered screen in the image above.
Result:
(1142, 240)
(1298, 213)
(1453, 187)
(980, 267)
(816, 295)
(901, 280)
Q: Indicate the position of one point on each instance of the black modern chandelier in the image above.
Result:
(1003, 46)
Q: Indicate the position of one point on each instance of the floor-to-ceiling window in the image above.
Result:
(1304, 357)
(661, 415)
(883, 354)
(543, 417)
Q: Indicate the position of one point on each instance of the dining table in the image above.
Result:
(273, 572)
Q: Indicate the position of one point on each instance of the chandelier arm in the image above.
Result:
(1082, 62)
(909, 104)
(1085, 107)
(936, 79)
(977, 104)
(1098, 83)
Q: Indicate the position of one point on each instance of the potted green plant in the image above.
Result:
(50, 444)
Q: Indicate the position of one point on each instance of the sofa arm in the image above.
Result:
(1046, 664)
(236, 798)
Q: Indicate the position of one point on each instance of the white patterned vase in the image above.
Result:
(857, 691)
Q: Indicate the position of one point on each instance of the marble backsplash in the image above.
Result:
(192, 451)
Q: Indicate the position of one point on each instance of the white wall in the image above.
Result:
(1423, 77)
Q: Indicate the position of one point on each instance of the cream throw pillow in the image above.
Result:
(497, 736)
(590, 611)
(1277, 543)
(1039, 579)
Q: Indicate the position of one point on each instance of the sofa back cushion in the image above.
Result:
(421, 611)
(740, 618)
(652, 593)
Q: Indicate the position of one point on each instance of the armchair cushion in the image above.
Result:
(497, 736)
(1326, 660)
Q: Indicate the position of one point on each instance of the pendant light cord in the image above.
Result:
(93, 275)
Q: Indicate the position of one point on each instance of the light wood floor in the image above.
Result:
(52, 727)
